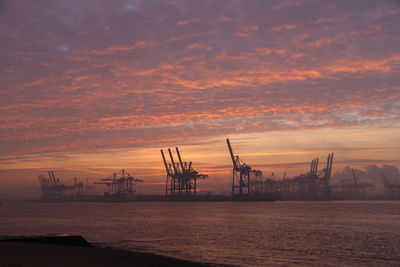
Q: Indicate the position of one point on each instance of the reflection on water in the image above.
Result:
(246, 234)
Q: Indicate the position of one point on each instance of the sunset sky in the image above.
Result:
(90, 87)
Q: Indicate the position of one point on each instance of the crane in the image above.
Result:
(240, 174)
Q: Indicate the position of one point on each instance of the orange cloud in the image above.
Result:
(116, 49)
(284, 27)
(185, 22)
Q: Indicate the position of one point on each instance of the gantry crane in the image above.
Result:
(391, 188)
(51, 187)
(120, 186)
(240, 175)
(53, 190)
(181, 177)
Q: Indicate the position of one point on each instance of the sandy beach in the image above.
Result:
(31, 254)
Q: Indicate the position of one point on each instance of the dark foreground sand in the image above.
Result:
(31, 254)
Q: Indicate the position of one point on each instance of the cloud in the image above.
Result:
(284, 27)
(114, 75)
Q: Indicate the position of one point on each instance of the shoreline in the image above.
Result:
(65, 251)
(188, 200)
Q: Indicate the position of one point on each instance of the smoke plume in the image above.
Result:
(372, 174)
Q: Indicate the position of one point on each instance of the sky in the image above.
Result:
(90, 87)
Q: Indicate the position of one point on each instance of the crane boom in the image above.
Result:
(231, 152)
(54, 178)
(311, 166)
(327, 166)
(180, 159)
(51, 178)
(354, 177)
(172, 160)
(165, 162)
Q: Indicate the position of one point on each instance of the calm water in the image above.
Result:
(245, 234)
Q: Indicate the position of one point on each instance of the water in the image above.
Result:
(246, 234)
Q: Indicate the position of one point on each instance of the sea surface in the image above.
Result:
(331, 233)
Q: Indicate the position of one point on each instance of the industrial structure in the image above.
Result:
(120, 186)
(315, 184)
(181, 180)
(391, 188)
(241, 176)
(53, 190)
(247, 184)
(247, 181)
(351, 188)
